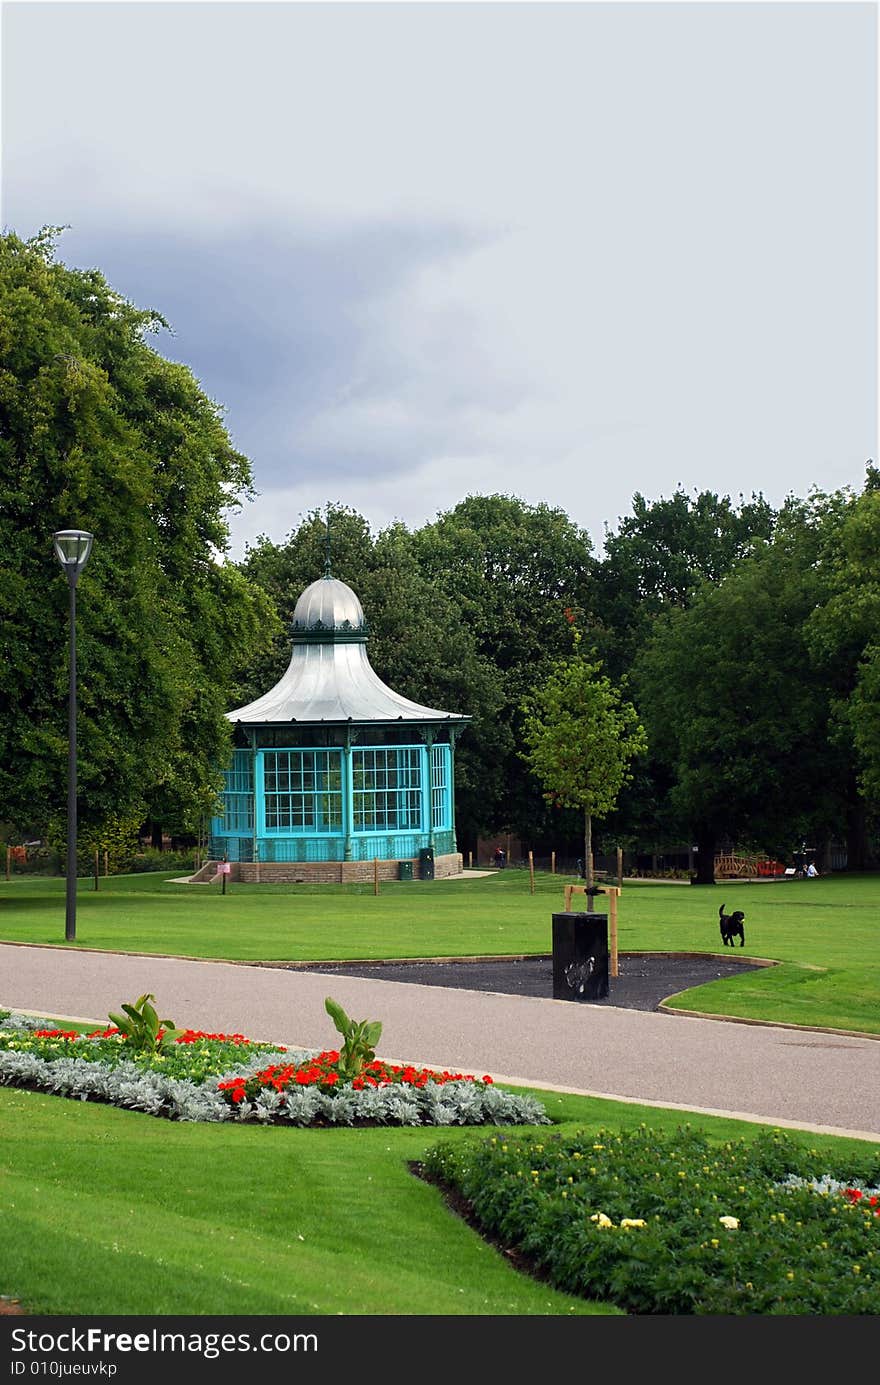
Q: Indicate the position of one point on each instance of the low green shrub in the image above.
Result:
(150, 858)
(674, 1224)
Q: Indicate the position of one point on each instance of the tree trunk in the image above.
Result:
(156, 835)
(858, 848)
(588, 849)
(705, 858)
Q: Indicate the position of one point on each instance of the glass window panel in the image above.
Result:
(386, 787)
(303, 791)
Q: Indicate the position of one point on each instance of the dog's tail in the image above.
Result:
(721, 912)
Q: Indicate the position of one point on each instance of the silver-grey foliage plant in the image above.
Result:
(130, 1085)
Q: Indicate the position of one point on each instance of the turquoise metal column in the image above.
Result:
(255, 846)
(347, 797)
(453, 737)
(430, 737)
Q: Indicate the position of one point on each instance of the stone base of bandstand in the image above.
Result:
(337, 872)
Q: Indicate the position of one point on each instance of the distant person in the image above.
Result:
(499, 857)
(811, 871)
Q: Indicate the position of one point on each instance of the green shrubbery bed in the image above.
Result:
(677, 1224)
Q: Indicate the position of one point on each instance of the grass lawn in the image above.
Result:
(823, 932)
(107, 1211)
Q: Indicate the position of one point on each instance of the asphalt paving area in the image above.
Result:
(643, 980)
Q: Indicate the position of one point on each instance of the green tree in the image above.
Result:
(512, 570)
(101, 432)
(737, 710)
(843, 636)
(580, 738)
(659, 557)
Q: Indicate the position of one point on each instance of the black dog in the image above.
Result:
(732, 927)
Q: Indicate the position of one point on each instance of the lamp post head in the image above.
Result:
(72, 549)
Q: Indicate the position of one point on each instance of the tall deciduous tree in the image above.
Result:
(99, 431)
(580, 738)
(844, 639)
(658, 558)
(512, 570)
(736, 708)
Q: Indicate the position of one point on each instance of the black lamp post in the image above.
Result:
(72, 548)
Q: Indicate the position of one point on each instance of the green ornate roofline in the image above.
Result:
(319, 633)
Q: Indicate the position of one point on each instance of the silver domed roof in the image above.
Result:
(329, 677)
(328, 605)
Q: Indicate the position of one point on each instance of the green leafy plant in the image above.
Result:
(679, 1223)
(359, 1039)
(143, 1028)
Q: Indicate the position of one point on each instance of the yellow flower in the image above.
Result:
(601, 1219)
(730, 1222)
(632, 1221)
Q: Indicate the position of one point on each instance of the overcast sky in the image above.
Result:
(565, 251)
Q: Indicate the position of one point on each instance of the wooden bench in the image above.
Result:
(733, 866)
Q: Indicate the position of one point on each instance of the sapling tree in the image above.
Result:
(581, 737)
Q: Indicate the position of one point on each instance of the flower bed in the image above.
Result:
(220, 1077)
(679, 1225)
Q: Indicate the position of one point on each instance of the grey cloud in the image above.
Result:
(301, 337)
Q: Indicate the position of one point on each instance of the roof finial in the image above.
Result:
(327, 570)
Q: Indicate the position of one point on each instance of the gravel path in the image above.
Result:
(643, 980)
(782, 1076)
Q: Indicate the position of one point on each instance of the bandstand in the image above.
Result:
(334, 776)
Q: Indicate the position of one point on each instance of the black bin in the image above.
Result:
(404, 870)
(580, 956)
(426, 863)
